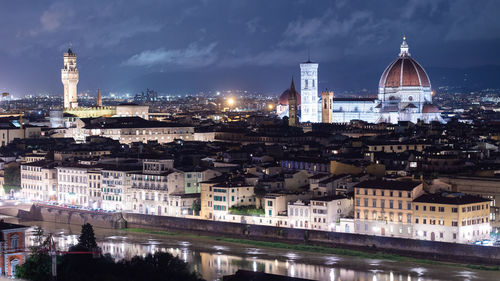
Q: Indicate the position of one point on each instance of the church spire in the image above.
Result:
(404, 49)
(292, 86)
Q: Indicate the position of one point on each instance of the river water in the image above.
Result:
(213, 259)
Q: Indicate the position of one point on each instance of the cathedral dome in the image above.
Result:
(283, 100)
(404, 72)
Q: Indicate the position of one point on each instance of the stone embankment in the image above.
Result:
(453, 252)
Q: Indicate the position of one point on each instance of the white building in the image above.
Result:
(299, 215)
(149, 190)
(309, 100)
(327, 211)
(69, 78)
(115, 182)
(73, 187)
(39, 181)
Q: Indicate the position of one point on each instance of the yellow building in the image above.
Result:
(219, 194)
(451, 217)
(384, 207)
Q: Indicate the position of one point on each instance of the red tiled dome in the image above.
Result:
(283, 100)
(404, 71)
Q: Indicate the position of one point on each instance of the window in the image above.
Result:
(357, 202)
(454, 210)
(400, 204)
(391, 204)
(416, 207)
(409, 206)
(432, 208)
(441, 209)
(374, 202)
(374, 192)
(14, 242)
(269, 203)
(366, 202)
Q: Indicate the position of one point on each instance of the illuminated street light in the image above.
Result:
(230, 101)
(270, 106)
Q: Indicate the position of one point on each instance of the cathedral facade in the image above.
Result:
(404, 94)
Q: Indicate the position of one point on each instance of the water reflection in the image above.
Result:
(215, 261)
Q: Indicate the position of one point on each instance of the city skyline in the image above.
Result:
(130, 48)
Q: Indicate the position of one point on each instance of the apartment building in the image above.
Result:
(115, 181)
(384, 207)
(194, 176)
(39, 181)
(276, 205)
(451, 217)
(73, 185)
(95, 181)
(220, 194)
(299, 214)
(150, 189)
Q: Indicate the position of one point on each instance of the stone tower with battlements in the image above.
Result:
(69, 78)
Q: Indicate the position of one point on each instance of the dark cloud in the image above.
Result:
(212, 44)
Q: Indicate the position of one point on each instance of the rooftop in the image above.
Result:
(450, 199)
(385, 184)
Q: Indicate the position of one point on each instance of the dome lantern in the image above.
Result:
(404, 49)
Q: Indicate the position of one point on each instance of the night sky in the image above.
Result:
(179, 47)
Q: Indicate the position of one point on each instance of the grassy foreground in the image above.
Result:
(313, 249)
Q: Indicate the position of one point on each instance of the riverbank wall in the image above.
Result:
(452, 252)
(72, 216)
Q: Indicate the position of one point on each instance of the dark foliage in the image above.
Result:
(90, 267)
(87, 238)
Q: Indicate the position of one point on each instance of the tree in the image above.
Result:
(12, 178)
(87, 238)
(37, 267)
(196, 207)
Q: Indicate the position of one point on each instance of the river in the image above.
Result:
(213, 259)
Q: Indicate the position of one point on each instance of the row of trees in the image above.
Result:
(83, 267)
